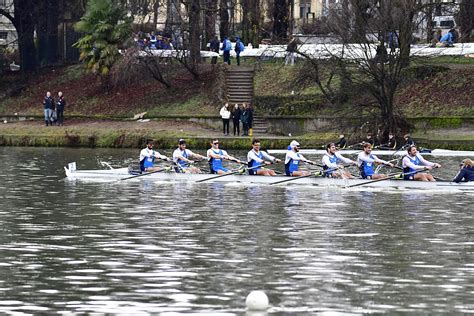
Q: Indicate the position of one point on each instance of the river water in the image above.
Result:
(154, 248)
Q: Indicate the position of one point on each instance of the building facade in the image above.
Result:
(8, 36)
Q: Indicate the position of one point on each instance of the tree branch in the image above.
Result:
(7, 14)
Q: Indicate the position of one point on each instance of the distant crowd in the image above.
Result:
(153, 40)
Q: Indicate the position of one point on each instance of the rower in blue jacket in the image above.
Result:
(256, 158)
(366, 160)
(414, 162)
(215, 157)
(292, 160)
(182, 158)
(332, 162)
(148, 156)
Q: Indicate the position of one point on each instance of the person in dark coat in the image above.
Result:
(250, 117)
(236, 113)
(60, 104)
(239, 48)
(48, 105)
(466, 173)
(214, 45)
(244, 118)
(342, 143)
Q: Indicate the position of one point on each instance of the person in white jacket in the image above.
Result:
(225, 114)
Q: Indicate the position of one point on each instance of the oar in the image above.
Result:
(387, 178)
(350, 146)
(300, 177)
(226, 174)
(146, 173)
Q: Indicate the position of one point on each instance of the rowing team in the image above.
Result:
(332, 162)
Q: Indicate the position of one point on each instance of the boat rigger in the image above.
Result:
(434, 152)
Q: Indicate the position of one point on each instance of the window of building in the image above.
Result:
(446, 24)
(3, 3)
(305, 8)
(3, 35)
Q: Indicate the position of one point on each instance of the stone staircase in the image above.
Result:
(239, 85)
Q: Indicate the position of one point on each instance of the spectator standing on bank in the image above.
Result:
(214, 45)
(226, 47)
(250, 120)
(246, 118)
(60, 104)
(236, 113)
(48, 105)
(291, 51)
(225, 114)
(239, 48)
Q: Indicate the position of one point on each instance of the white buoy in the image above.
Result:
(257, 300)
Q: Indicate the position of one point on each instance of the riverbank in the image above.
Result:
(132, 134)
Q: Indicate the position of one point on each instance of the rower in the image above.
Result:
(342, 143)
(466, 173)
(392, 141)
(413, 161)
(366, 161)
(292, 160)
(369, 140)
(148, 156)
(182, 158)
(215, 157)
(257, 157)
(331, 161)
(408, 141)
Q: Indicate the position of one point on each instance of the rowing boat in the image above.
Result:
(434, 152)
(118, 174)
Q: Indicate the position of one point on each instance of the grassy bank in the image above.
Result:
(444, 96)
(128, 134)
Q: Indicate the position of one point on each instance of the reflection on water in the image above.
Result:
(154, 247)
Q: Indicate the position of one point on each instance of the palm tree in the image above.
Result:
(106, 27)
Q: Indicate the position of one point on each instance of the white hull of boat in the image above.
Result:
(434, 152)
(122, 173)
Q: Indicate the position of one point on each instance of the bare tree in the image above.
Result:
(465, 19)
(375, 49)
(281, 19)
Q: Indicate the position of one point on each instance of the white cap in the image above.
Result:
(294, 144)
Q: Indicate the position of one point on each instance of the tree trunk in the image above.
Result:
(466, 20)
(256, 21)
(280, 19)
(210, 20)
(25, 27)
(246, 24)
(194, 14)
(156, 7)
(429, 18)
(224, 19)
(47, 31)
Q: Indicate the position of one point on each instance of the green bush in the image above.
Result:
(422, 72)
(288, 105)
